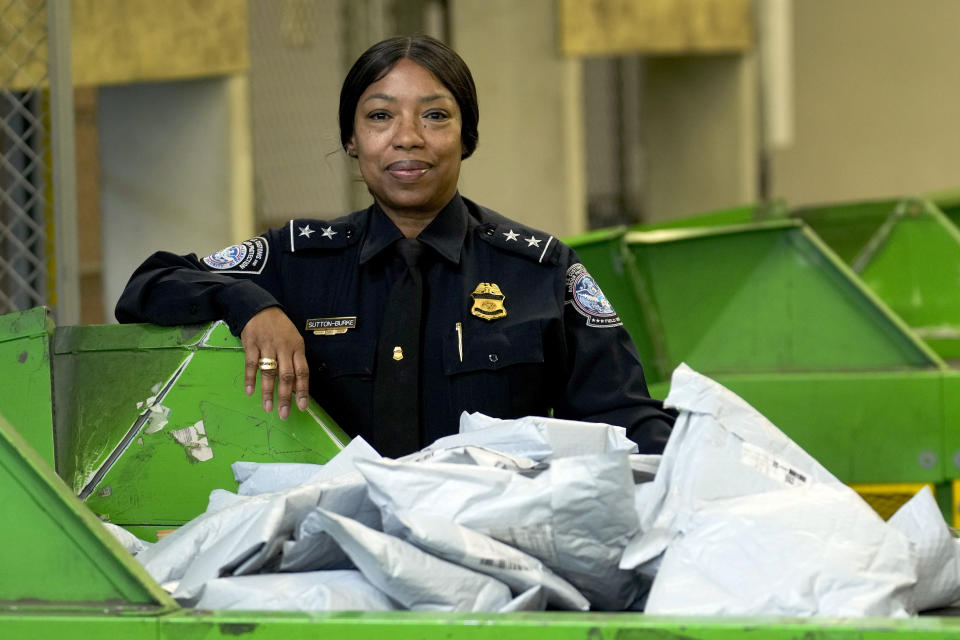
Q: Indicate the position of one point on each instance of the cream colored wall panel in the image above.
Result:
(701, 138)
(877, 95)
(529, 163)
(167, 178)
(297, 65)
(604, 27)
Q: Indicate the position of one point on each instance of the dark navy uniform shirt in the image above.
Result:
(536, 334)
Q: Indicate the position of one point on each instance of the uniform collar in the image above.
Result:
(444, 234)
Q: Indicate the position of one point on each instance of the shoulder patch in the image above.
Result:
(249, 256)
(536, 245)
(306, 234)
(585, 296)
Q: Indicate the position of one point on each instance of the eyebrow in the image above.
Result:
(389, 98)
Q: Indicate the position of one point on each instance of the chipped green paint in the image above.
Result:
(82, 397)
(131, 469)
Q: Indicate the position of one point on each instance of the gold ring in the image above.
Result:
(267, 364)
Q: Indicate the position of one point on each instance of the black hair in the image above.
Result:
(429, 53)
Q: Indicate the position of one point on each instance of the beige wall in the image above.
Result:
(699, 123)
(296, 68)
(877, 100)
(169, 172)
(529, 164)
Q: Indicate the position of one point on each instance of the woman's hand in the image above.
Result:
(271, 334)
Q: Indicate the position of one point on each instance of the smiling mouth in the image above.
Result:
(407, 169)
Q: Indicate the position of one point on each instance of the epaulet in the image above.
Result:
(307, 234)
(533, 244)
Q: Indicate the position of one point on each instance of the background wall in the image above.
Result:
(869, 94)
(700, 134)
(877, 95)
(530, 162)
(296, 67)
(168, 174)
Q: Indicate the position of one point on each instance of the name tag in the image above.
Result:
(331, 326)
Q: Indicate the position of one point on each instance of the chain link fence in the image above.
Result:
(27, 245)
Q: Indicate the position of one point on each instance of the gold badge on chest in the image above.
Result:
(488, 301)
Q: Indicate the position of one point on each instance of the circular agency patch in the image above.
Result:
(589, 300)
(247, 256)
(227, 258)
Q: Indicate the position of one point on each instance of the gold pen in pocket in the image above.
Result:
(459, 328)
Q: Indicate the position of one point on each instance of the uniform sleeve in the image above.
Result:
(233, 285)
(604, 379)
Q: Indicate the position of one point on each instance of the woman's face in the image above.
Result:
(406, 136)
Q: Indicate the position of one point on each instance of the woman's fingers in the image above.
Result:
(275, 348)
(268, 377)
(286, 377)
(302, 386)
(293, 379)
(252, 356)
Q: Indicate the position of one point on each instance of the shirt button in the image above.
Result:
(493, 357)
(489, 232)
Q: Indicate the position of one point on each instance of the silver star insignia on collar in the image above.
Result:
(306, 231)
(329, 232)
(511, 235)
(533, 242)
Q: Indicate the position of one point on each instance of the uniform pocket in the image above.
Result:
(341, 378)
(501, 373)
(493, 348)
(340, 355)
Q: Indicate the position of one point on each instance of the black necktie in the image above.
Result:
(396, 388)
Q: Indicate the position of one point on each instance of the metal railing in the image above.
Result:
(38, 263)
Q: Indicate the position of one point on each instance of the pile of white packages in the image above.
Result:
(538, 513)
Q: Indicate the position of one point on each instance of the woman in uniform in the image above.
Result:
(399, 317)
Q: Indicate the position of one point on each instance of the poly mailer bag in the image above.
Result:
(130, 542)
(537, 437)
(254, 478)
(238, 539)
(239, 535)
(644, 466)
(478, 456)
(309, 591)
(936, 551)
(410, 576)
(474, 550)
(576, 517)
(227, 536)
(265, 477)
(312, 548)
(720, 447)
(533, 599)
(817, 550)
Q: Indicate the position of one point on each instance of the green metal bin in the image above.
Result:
(770, 311)
(142, 422)
(64, 576)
